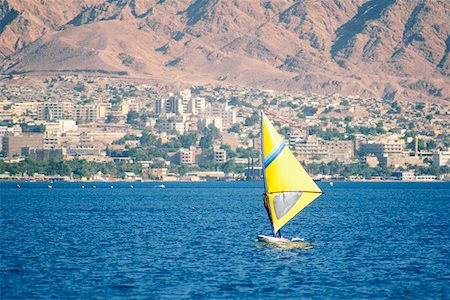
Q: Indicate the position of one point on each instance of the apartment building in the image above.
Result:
(339, 150)
(169, 126)
(220, 156)
(4, 130)
(55, 110)
(442, 158)
(180, 104)
(381, 149)
(13, 144)
(174, 105)
(159, 107)
(205, 121)
(51, 140)
(44, 154)
(90, 113)
(187, 156)
(311, 148)
(226, 113)
(81, 151)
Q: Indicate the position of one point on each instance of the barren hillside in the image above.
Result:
(384, 48)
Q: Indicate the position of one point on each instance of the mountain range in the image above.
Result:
(394, 49)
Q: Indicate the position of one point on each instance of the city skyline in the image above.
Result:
(101, 120)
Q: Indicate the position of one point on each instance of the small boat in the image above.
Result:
(162, 186)
(112, 187)
(94, 187)
(17, 186)
(82, 186)
(49, 186)
(132, 187)
(331, 183)
(288, 189)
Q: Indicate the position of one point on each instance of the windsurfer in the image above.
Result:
(266, 206)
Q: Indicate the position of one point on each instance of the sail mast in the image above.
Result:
(263, 171)
(261, 133)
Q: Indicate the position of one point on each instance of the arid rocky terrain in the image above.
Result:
(393, 49)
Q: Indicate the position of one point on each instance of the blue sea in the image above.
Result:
(198, 240)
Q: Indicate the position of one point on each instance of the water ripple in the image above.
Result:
(198, 241)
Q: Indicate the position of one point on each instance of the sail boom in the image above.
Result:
(314, 192)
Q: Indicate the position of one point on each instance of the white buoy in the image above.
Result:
(94, 187)
(82, 186)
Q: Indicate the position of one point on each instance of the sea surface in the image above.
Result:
(198, 240)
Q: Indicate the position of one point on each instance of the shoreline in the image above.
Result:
(199, 181)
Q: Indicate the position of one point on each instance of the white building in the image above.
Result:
(441, 158)
(220, 156)
(208, 120)
(181, 104)
(196, 105)
(60, 126)
(169, 126)
(222, 111)
(187, 156)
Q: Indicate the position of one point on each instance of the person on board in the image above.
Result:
(266, 206)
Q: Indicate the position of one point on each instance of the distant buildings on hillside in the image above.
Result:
(106, 119)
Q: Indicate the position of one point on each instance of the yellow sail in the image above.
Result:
(289, 188)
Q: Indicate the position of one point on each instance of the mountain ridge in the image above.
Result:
(384, 48)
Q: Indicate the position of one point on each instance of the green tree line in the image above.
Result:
(77, 168)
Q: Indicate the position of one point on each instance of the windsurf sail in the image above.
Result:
(288, 187)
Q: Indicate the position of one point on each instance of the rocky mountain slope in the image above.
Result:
(397, 49)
